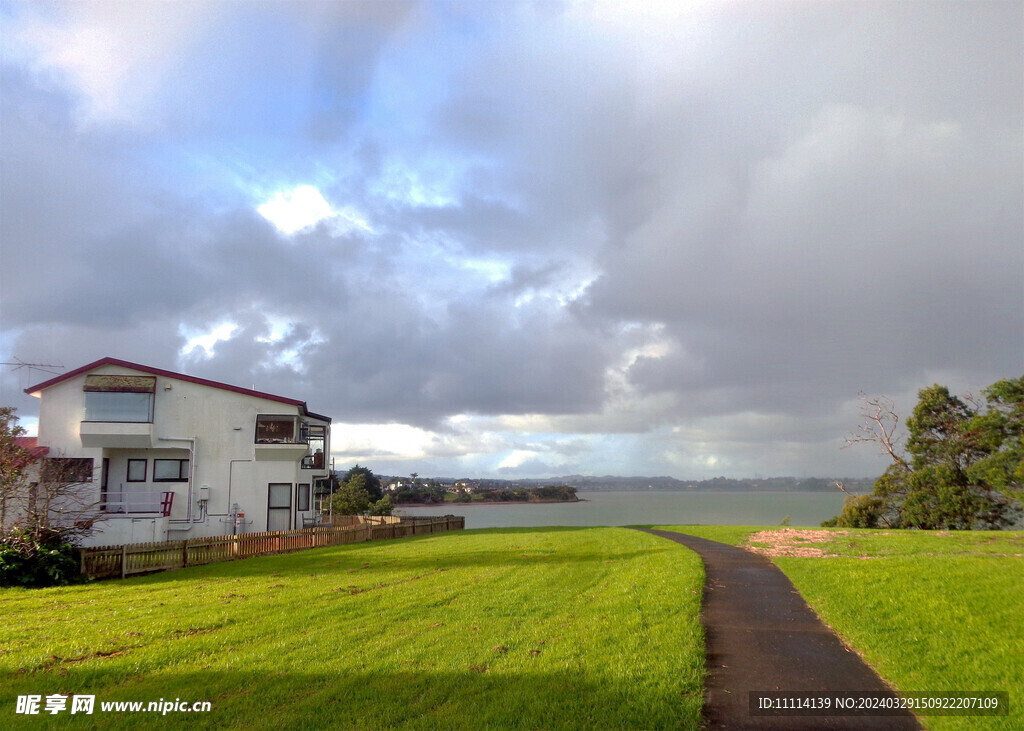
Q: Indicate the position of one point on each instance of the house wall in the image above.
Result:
(224, 457)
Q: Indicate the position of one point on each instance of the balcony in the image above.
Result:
(284, 452)
(314, 461)
(128, 502)
(287, 438)
(118, 412)
(116, 434)
(278, 438)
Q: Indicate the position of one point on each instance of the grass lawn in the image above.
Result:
(930, 611)
(535, 628)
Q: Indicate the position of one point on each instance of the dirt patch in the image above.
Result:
(792, 542)
(193, 631)
(55, 661)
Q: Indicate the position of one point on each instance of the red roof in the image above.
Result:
(31, 445)
(35, 390)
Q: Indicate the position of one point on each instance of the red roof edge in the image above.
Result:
(31, 445)
(34, 390)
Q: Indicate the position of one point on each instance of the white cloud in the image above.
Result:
(492, 270)
(296, 210)
(116, 55)
(206, 340)
(517, 458)
(366, 442)
(349, 219)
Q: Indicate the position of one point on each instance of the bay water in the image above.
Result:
(650, 507)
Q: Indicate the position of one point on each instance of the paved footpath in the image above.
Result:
(761, 636)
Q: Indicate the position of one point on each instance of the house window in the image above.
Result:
(67, 470)
(275, 429)
(119, 398)
(136, 470)
(170, 470)
(302, 498)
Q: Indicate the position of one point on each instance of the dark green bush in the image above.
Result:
(36, 558)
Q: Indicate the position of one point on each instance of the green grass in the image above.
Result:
(531, 628)
(930, 611)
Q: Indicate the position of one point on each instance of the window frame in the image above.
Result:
(106, 391)
(128, 476)
(265, 432)
(182, 467)
(57, 469)
(107, 394)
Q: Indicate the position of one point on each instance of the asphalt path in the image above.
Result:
(761, 636)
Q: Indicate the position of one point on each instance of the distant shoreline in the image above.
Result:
(487, 502)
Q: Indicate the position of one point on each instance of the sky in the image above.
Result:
(523, 239)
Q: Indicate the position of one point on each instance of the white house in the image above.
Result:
(168, 456)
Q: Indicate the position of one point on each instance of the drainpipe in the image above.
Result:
(191, 475)
(231, 468)
(330, 495)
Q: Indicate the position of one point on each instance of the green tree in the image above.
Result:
(1000, 431)
(371, 482)
(384, 506)
(352, 497)
(962, 465)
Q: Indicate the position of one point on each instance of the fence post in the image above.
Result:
(124, 559)
(184, 553)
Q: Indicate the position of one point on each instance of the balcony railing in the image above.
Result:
(116, 435)
(130, 501)
(314, 461)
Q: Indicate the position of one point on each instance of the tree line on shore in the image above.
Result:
(542, 493)
(360, 491)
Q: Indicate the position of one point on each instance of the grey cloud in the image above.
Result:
(886, 256)
(531, 467)
(793, 202)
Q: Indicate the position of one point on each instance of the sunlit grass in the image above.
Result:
(532, 628)
(929, 610)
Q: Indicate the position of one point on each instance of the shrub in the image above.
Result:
(862, 511)
(36, 558)
(384, 506)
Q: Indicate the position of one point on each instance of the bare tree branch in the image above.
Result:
(851, 496)
(881, 426)
(63, 498)
(842, 487)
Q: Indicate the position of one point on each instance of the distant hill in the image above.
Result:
(860, 485)
(796, 484)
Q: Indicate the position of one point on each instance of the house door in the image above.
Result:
(279, 506)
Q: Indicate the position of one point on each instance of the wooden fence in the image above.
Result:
(105, 562)
(345, 521)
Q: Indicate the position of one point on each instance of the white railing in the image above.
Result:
(127, 500)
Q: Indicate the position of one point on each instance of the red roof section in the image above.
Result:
(31, 445)
(34, 390)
